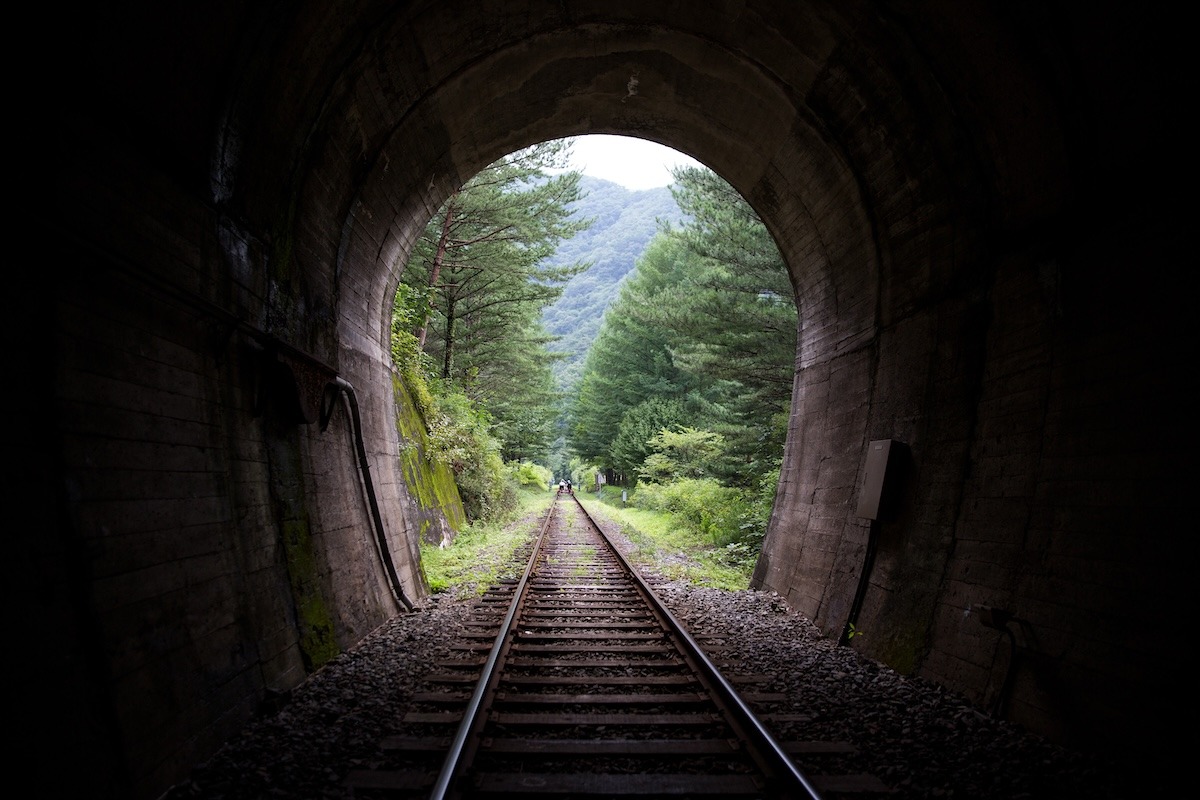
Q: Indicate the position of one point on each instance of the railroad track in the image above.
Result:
(574, 681)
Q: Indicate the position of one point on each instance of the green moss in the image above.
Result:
(314, 622)
(317, 641)
(900, 649)
(473, 562)
(430, 483)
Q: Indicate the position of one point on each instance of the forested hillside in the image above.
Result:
(683, 397)
(624, 223)
(467, 334)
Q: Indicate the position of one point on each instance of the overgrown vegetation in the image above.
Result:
(663, 541)
(702, 334)
(485, 550)
(684, 393)
(466, 330)
(692, 529)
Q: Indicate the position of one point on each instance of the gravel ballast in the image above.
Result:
(918, 739)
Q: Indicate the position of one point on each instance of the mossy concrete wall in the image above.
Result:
(435, 506)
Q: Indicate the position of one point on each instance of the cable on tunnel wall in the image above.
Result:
(295, 361)
(273, 348)
(343, 388)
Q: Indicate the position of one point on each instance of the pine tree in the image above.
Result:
(479, 279)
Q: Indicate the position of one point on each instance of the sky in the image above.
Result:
(633, 163)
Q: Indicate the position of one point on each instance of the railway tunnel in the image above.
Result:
(979, 206)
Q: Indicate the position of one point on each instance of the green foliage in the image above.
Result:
(662, 545)
(460, 436)
(682, 453)
(482, 552)
(524, 404)
(466, 332)
(529, 475)
(695, 530)
(707, 322)
(638, 428)
(629, 364)
(753, 524)
(412, 364)
(623, 223)
(582, 474)
(710, 509)
(473, 290)
(686, 384)
(737, 323)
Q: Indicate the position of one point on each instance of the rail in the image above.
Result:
(782, 778)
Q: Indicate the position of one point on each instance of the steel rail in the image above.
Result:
(793, 780)
(787, 781)
(471, 716)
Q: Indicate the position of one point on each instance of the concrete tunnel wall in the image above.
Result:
(968, 200)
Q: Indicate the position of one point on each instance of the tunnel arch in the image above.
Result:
(834, 125)
(405, 171)
(971, 199)
(769, 121)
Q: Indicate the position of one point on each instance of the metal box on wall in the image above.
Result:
(872, 500)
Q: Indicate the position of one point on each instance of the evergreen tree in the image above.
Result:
(479, 279)
(629, 363)
(707, 323)
(740, 321)
(639, 426)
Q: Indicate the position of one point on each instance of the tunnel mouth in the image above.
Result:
(979, 243)
(705, 246)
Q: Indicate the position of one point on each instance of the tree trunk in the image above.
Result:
(448, 353)
(435, 269)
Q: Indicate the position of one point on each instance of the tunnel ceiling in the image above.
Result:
(342, 126)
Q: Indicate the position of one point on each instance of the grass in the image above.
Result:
(481, 553)
(670, 549)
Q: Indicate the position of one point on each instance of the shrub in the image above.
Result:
(703, 504)
(460, 437)
(412, 364)
(530, 475)
(681, 453)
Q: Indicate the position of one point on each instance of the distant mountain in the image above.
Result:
(625, 222)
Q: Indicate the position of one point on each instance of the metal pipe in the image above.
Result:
(730, 694)
(344, 388)
(233, 323)
(864, 578)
